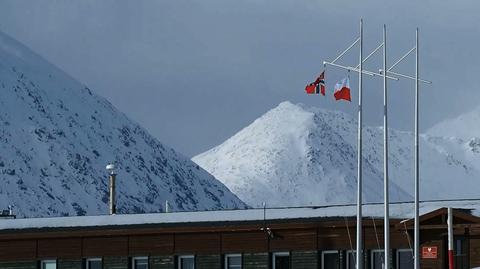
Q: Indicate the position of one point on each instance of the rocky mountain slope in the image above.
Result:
(56, 136)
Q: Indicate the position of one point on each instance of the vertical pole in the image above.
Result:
(450, 239)
(359, 160)
(385, 156)
(417, 162)
(113, 207)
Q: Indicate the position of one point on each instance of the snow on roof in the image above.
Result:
(398, 211)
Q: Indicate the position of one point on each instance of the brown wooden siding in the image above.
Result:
(286, 240)
(244, 242)
(151, 245)
(474, 253)
(335, 238)
(59, 248)
(105, 246)
(197, 243)
(18, 250)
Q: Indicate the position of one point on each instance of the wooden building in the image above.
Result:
(297, 238)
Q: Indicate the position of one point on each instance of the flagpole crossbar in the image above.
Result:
(402, 75)
(351, 68)
(405, 76)
(370, 55)
(345, 51)
(401, 59)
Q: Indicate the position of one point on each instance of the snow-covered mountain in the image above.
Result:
(56, 136)
(294, 155)
(465, 126)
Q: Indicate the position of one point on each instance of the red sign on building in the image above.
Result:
(429, 252)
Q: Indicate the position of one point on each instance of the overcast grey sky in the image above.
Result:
(195, 72)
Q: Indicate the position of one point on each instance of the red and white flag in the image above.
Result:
(318, 86)
(342, 90)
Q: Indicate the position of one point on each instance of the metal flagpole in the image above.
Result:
(417, 213)
(359, 156)
(385, 156)
(451, 261)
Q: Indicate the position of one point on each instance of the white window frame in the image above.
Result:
(140, 258)
(43, 262)
(92, 260)
(372, 253)
(402, 250)
(348, 258)
(179, 260)
(233, 256)
(279, 254)
(328, 252)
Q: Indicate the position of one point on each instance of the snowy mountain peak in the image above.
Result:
(294, 155)
(463, 126)
(57, 136)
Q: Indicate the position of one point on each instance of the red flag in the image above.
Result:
(318, 86)
(342, 90)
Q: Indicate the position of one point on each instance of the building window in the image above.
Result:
(351, 259)
(404, 259)
(186, 262)
(140, 262)
(460, 252)
(281, 260)
(330, 259)
(93, 263)
(49, 264)
(233, 261)
(377, 259)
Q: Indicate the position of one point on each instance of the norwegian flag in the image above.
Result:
(318, 86)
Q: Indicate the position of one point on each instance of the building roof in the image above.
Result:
(397, 210)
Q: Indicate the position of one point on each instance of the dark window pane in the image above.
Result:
(282, 262)
(351, 260)
(377, 261)
(95, 264)
(234, 262)
(405, 260)
(187, 263)
(49, 265)
(331, 260)
(140, 263)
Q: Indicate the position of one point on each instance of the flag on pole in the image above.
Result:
(318, 86)
(342, 90)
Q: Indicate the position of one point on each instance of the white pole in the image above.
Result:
(450, 239)
(385, 156)
(417, 210)
(167, 207)
(359, 156)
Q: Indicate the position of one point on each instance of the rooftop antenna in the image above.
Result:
(111, 170)
(266, 229)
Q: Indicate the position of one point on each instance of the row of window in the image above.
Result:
(280, 260)
(97, 263)
(232, 261)
(404, 259)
